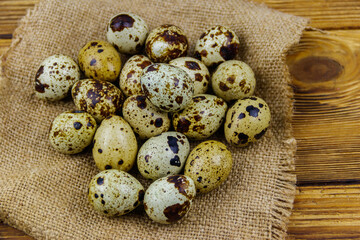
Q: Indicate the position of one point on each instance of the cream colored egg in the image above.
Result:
(72, 131)
(216, 45)
(163, 155)
(130, 75)
(197, 71)
(167, 87)
(201, 118)
(233, 80)
(115, 145)
(114, 193)
(99, 60)
(99, 98)
(145, 119)
(169, 199)
(127, 32)
(55, 77)
(247, 121)
(208, 165)
(165, 43)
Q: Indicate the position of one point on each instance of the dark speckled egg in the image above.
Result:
(169, 199)
(165, 43)
(99, 98)
(216, 45)
(100, 60)
(247, 121)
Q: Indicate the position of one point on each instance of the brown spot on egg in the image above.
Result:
(192, 65)
(197, 118)
(120, 162)
(92, 62)
(39, 87)
(183, 125)
(181, 183)
(141, 101)
(198, 77)
(77, 125)
(120, 22)
(177, 211)
(179, 99)
(130, 74)
(158, 122)
(108, 167)
(203, 53)
(144, 64)
(152, 68)
(94, 96)
(243, 138)
(229, 50)
(260, 134)
(223, 87)
(231, 79)
(199, 98)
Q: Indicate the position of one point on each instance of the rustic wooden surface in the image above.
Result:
(326, 81)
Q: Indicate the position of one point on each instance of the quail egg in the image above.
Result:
(55, 77)
(145, 119)
(130, 75)
(99, 98)
(72, 131)
(115, 193)
(216, 45)
(115, 145)
(99, 60)
(197, 71)
(165, 43)
(208, 165)
(247, 121)
(233, 80)
(127, 32)
(169, 199)
(167, 87)
(163, 155)
(201, 118)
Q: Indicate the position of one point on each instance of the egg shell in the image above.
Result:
(145, 119)
(55, 77)
(201, 118)
(197, 71)
(208, 165)
(247, 121)
(130, 75)
(99, 98)
(127, 32)
(165, 43)
(169, 199)
(163, 155)
(233, 80)
(72, 131)
(115, 145)
(114, 193)
(99, 60)
(216, 45)
(167, 87)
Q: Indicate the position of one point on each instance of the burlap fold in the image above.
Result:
(44, 193)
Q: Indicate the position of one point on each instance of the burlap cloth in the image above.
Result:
(44, 193)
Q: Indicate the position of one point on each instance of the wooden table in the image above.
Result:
(326, 80)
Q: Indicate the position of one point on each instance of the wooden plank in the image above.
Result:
(325, 14)
(326, 212)
(327, 108)
(7, 232)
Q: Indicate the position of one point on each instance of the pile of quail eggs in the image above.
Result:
(161, 100)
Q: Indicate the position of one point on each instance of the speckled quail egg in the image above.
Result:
(209, 164)
(55, 77)
(115, 145)
(72, 131)
(145, 119)
(99, 98)
(169, 199)
(197, 71)
(233, 80)
(167, 87)
(247, 121)
(165, 43)
(216, 45)
(100, 60)
(115, 193)
(163, 155)
(130, 75)
(127, 32)
(201, 118)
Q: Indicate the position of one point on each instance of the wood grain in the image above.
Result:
(326, 122)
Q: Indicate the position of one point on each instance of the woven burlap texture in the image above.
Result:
(44, 193)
